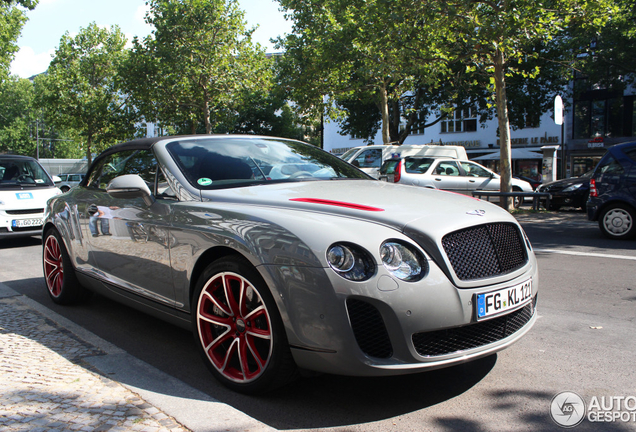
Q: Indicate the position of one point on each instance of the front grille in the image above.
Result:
(24, 212)
(449, 341)
(485, 250)
(369, 329)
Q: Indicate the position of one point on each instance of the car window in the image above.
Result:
(140, 162)
(74, 177)
(610, 166)
(417, 165)
(631, 153)
(449, 168)
(475, 170)
(371, 158)
(234, 162)
(388, 167)
(163, 187)
(63, 177)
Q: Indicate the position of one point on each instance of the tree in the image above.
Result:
(498, 35)
(345, 53)
(17, 116)
(12, 20)
(196, 65)
(81, 91)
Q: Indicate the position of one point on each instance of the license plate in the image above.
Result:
(497, 302)
(22, 223)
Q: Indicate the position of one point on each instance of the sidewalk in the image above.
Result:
(51, 379)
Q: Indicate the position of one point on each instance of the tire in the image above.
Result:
(618, 222)
(59, 274)
(238, 330)
(65, 189)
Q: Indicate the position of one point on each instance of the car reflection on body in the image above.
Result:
(280, 257)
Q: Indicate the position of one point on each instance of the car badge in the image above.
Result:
(477, 212)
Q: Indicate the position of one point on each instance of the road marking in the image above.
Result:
(586, 254)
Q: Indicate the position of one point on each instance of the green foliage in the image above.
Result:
(197, 65)
(11, 21)
(81, 92)
(17, 116)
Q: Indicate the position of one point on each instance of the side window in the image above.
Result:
(369, 158)
(141, 162)
(417, 165)
(447, 168)
(474, 170)
(631, 153)
(610, 167)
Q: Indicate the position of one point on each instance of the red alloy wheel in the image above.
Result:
(234, 327)
(53, 268)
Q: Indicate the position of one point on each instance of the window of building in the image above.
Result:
(461, 121)
(600, 115)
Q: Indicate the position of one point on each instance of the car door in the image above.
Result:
(129, 239)
(479, 178)
(446, 176)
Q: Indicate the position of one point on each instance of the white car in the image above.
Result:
(462, 176)
(25, 187)
(67, 181)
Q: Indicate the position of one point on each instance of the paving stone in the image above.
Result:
(43, 386)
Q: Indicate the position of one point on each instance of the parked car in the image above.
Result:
(612, 199)
(535, 183)
(461, 176)
(281, 256)
(67, 181)
(24, 189)
(370, 158)
(568, 192)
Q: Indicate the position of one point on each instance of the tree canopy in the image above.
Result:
(81, 91)
(197, 65)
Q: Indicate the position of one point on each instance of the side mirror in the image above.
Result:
(56, 179)
(130, 186)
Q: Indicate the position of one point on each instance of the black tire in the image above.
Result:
(65, 189)
(618, 222)
(238, 330)
(59, 274)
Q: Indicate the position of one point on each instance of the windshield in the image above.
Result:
(348, 153)
(221, 163)
(22, 172)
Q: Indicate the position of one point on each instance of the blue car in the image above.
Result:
(612, 199)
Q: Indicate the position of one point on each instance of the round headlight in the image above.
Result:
(340, 258)
(350, 261)
(403, 261)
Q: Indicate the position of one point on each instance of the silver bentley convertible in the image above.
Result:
(281, 257)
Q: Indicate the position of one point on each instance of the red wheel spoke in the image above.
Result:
(234, 347)
(229, 294)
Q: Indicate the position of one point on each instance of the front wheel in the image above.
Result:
(617, 222)
(59, 274)
(238, 329)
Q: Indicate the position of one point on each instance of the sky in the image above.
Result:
(52, 18)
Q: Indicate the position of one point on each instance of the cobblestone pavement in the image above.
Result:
(46, 386)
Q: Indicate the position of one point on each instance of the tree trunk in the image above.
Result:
(504, 129)
(206, 116)
(89, 149)
(384, 109)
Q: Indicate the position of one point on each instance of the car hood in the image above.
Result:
(390, 204)
(564, 183)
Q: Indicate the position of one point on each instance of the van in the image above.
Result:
(370, 158)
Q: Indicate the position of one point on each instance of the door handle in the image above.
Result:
(438, 179)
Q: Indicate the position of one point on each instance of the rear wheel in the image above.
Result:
(617, 222)
(238, 329)
(59, 274)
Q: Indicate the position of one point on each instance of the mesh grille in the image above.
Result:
(441, 342)
(23, 212)
(369, 330)
(485, 250)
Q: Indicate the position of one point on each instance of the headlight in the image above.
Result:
(573, 187)
(403, 261)
(350, 261)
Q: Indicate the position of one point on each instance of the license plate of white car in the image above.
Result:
(22, 223)
(497, 302)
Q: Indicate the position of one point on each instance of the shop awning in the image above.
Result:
(515, 153)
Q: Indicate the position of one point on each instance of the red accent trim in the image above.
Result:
(336, 203)
(398, 171)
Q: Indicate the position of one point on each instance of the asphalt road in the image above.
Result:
(583, 342)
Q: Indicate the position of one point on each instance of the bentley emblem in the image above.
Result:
(477, 212)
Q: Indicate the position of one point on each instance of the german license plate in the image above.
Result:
(500, 301)
(23, 223)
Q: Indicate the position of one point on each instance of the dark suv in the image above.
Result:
(612, 199)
